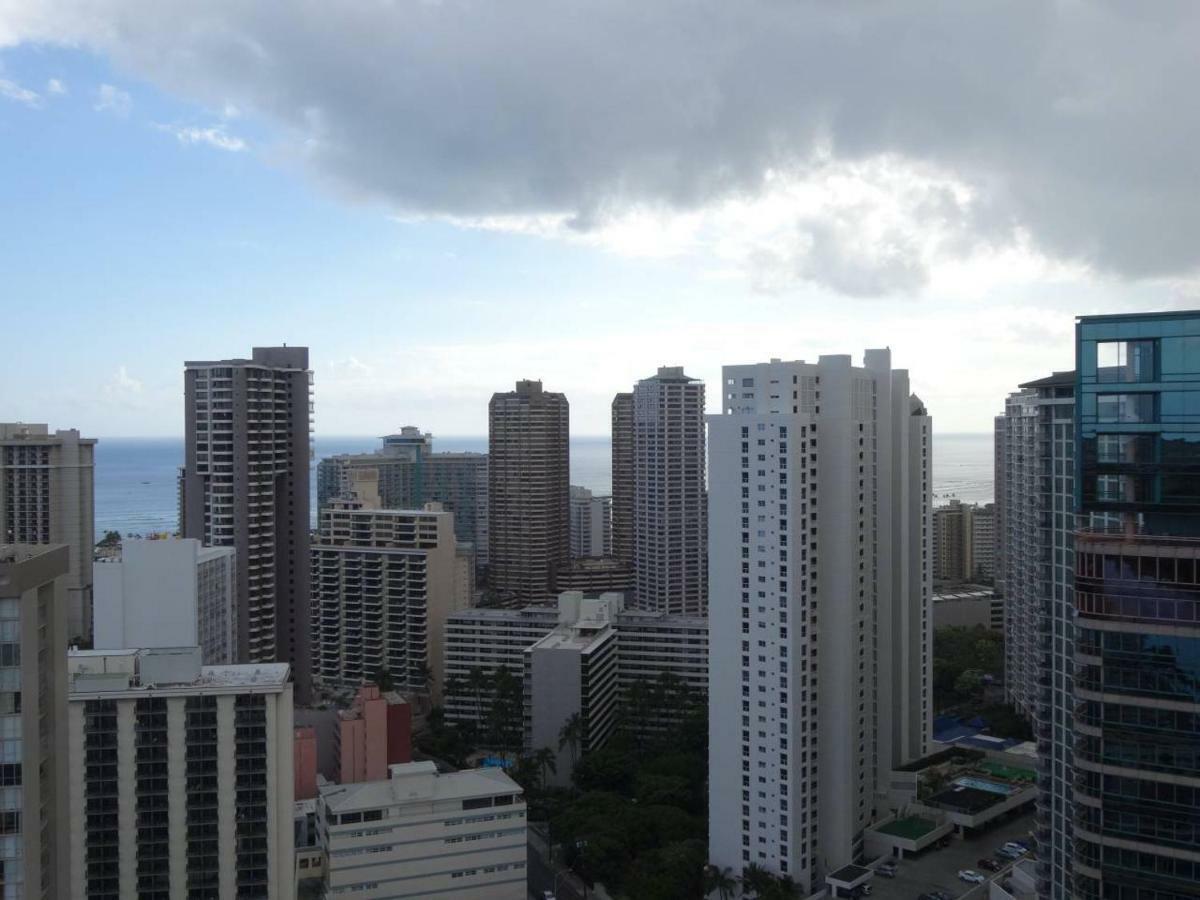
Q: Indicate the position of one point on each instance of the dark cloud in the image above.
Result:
(1074, 122)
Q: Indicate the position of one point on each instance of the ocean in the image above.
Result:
(136, 489)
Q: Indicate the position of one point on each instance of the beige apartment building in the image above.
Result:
(33, 711)
(47, 497)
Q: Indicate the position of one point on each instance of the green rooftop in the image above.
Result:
(910, 828)
(1008, 773)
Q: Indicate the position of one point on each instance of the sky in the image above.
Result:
(440, 197)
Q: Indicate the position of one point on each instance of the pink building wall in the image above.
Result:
(304, 756)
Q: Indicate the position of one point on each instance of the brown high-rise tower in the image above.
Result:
(529, 468)
(245, 485)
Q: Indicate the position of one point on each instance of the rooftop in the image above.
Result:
(910, 828)
(967, 592)
(1052, 380)
(966, 799)
(418, 782)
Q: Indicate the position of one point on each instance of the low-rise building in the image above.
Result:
(968, 607)
(168, 593)
(421, 833)
(374, 733)
(180, 779)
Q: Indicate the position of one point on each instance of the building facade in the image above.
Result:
(374, 733)
(168, 593)
(246, 485)
(47, 496)
(622, 477)
(384, 581)
(595, 575)
(181, 779)
(819, 613)
(670, 514)
(421, 833)
(1035, 456)
(410, 474)
(1136, 751)
(591, 524)
(983, 543)
(649, 645)
(528, 502)
(33, 711)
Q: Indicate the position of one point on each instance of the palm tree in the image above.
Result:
(756, 880)
(477, 680)
(571, 735)
(719, 880)
(785, 887)
(546, 761)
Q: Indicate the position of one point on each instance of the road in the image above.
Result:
(937, 870)
(543, 877)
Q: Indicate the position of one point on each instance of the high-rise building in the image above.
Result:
(669, 503)
(983, 543)
(1035, 454)
(528, 480)
(422, 833)
(591, 524)
(33, 711)
(384, 581)
(168, 593)
(181, 778)
(408, 474)
(47, 497)
(1136, 751)
(820, 608)
(246, 466)
(622, 478)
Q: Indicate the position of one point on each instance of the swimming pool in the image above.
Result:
(980, 785)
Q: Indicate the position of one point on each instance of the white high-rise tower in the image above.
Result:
(819, 608)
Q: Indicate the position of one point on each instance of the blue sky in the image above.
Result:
(152, 212)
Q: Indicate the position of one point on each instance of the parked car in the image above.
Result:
(1021, 842)
(971, 876)
(989, 864)
(1016, 848)
(1005, 853)
(887, 870)
(941, 895)
(866, 889)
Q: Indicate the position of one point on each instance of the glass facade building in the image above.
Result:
(1137, 596)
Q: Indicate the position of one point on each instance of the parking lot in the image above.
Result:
(937, 870)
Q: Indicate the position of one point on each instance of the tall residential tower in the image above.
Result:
(819, 610)
(528, 483)
(47, 497)
(245, 485)
(669, 508)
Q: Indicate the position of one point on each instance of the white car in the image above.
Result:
(1016, 848)
(970, 875)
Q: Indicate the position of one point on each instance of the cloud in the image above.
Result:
(10, 90)
(1067, 129)
(213, 137)
(122, 387)
(56, 86)
(113, 100)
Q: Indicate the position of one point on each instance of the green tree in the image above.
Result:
(756, 880)
(571, 735)
(477, 684)
(721, 881)
(547, 763)
(969, 683)
(383, 680)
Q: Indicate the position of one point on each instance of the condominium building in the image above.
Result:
(819, 613)
(47, 497)
(591, 524)
(245, 485)
(649, 645)
(384, 581)
(595, 575)
(1135, 778)
(1035, 502)
(33, 709)
(168, 593)
(964, 542)
(528, 500)
(422, 833)
(669, 504)
(622, 477)
(408, 474)
(180, 777)
(983, 543)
